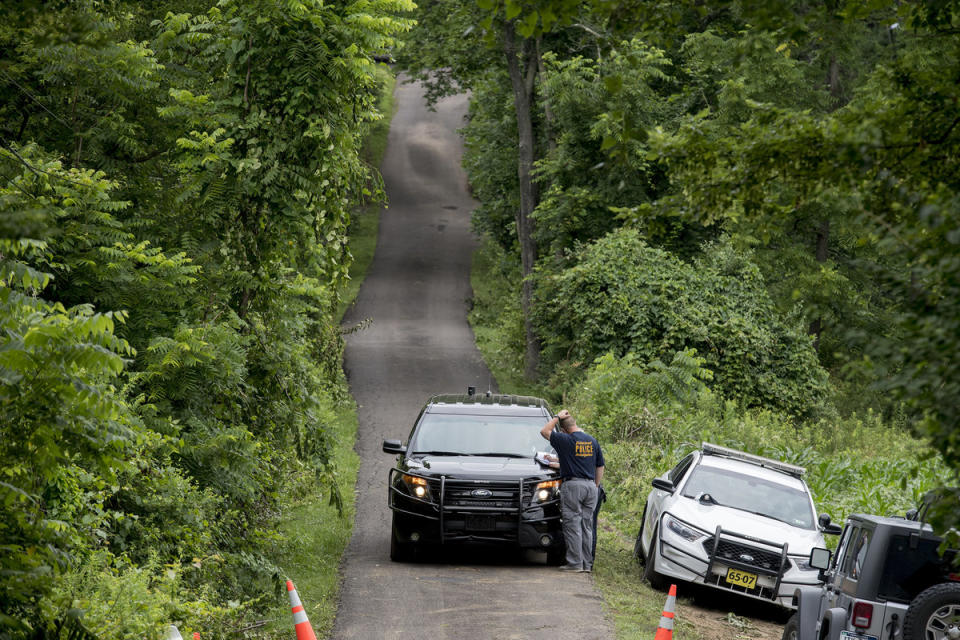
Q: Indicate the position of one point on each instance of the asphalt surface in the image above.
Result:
(418, 343)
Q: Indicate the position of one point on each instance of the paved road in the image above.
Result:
(419, 343)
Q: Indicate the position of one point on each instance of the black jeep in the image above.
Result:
(469, 474)
(887, 581)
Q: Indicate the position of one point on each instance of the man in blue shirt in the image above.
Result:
(581, 468)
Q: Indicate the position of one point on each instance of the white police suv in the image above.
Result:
(733, 521)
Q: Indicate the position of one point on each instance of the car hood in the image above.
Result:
(483, 467)
(707, 517)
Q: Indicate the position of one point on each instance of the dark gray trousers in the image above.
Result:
(578, 500)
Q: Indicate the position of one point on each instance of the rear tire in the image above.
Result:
(933, 613)
(791, 630)
(656, 580)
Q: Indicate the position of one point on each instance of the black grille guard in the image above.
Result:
(524, 487)
(711, 556)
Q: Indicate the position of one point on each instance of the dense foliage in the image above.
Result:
(625, 297)
(177, 180)
(770, 185)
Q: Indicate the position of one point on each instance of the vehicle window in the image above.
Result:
(908, 571)
(857, 553)
(842, 546)
(748, 493)
(473, 435)
(676, 474)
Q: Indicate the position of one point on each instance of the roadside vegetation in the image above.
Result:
(315, 523)
(176, 191)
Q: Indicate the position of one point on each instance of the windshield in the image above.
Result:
(747, 493)
(479, 435)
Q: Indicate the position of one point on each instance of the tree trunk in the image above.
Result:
(822, 254)
(822, 249)
(522, 66)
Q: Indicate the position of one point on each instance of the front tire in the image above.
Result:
(638, 545)
(934, 614)
(557, 555)
(400, 551)
(792, 629)
(656, 580)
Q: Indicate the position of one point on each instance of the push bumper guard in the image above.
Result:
(712, 547)
(518, 503)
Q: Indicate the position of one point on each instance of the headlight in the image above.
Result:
(547, 490)
(685, 532)
(417, 486)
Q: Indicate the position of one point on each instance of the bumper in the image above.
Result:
(708, 561)
(449, 514)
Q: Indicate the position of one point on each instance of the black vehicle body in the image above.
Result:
(887, 580)
(474, 498)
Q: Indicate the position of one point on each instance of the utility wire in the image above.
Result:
(36, 170)
(12, 183)
(37, 100)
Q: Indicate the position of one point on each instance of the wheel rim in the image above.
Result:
(944, 623)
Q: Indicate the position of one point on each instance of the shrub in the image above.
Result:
(624, 296)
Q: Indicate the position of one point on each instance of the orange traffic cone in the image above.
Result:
(665, 628)
(300, 622)
(196, 635)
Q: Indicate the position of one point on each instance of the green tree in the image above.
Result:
(191, 174)
(624, 296)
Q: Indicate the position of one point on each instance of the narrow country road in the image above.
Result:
(419, 343)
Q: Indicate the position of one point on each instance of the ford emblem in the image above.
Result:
(746, 557)
(481, 493)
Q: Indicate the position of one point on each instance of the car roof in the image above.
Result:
(754, 470)
(487, 404)
(889, 521)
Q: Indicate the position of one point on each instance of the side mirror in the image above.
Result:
(394, 446)
(820, 558)
(912, 514)
(826, 527)
(663, 485)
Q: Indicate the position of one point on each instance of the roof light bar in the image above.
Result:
(717, 450)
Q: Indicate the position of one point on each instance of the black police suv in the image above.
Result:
(469, 473)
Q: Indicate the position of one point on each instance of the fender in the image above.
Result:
(807, 600)
(836, 621)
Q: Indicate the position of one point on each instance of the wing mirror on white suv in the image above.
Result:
(826, 527)
(664, 485)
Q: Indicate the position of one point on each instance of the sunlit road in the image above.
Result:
(419, 343)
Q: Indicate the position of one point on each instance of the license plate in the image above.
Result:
(481, 523)
(741, 578)
(853, 636)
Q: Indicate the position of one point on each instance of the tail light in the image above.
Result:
(862, 615)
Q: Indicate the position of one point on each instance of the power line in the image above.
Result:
(37, 100)
(36, 170)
